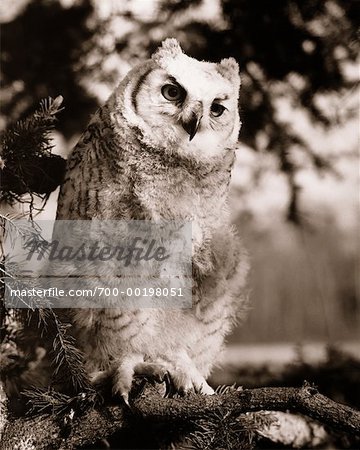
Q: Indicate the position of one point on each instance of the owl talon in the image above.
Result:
(170, 391)
(125, 397)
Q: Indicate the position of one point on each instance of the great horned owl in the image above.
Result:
(162, 147)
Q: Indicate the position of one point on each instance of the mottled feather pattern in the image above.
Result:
(136, 161)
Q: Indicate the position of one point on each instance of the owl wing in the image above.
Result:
(96, 183)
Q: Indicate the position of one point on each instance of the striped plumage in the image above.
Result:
(154, 152)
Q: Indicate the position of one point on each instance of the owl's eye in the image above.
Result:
(217, 109)
(172, 93)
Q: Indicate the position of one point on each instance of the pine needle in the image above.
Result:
(27, 164)
(48, 401)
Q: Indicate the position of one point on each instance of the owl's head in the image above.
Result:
(182, 104)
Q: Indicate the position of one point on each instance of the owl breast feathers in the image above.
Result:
(162, 148)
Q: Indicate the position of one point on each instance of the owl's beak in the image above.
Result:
(192, 124)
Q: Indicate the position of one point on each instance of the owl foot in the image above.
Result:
(154, 372)
(151, 371)
(189, 382)
(177, 380)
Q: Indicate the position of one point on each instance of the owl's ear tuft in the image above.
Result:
(229, 68)
(170, 48)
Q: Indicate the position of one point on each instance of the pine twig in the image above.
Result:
(68, 358)
(26, 162)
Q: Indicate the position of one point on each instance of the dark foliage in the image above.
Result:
(37, 347)
(41, 47)
(28, 164)
(48, 401)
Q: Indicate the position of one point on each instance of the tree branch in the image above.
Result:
(46, 432)
(305, 400)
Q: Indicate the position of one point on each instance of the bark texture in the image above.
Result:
(48, 432)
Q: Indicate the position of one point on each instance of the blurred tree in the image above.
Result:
(40, 49)
(27, 163)
(292, 48)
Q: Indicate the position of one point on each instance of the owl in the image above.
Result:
(162, 148)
